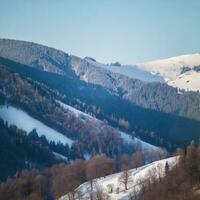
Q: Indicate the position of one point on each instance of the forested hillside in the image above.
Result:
(89, 137)
(169, 130)
(151, 95)
(19, 151)
(179, 181)
(101, 115)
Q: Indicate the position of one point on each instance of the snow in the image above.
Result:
(150, 171)
(77, 112)
(23, 120)
(98, 126)
(168, 70)
(144, 145)
(130, 71)
(60, 156)
(87, 156)
(171, 70)
(187, 81)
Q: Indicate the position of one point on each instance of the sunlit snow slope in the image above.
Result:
(137, 176)
(130, 71)
(182, 71)
(21, 119)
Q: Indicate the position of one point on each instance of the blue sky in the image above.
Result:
(128, 31)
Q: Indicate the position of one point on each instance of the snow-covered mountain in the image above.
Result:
(128, 70)
(182, 71)
(136, 176)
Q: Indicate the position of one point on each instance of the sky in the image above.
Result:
(128, 31)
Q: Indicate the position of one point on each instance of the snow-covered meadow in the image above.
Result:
(21, 119)
(171, 70)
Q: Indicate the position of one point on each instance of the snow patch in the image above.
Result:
(60, 156)
(21, 119)
(130, 71)
(144, 145)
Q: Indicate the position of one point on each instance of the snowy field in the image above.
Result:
(22, 120)
(137, 176)
(171, 70)
(187, 81)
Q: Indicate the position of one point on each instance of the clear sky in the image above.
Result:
(128, 31)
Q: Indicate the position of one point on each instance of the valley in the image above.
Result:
(99, 100)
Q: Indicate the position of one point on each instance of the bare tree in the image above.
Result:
(125, 179)
(99, 166)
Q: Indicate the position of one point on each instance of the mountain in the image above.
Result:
(34, 55)
(31, 112)
(71, 121)
(166, 116)
(139, 88)
(133, 84)
(182, 72)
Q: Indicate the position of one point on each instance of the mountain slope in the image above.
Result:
(35, 55)
(129, 71)
(20, 151)
(21, 119)
(143, 105)
(98, 101)
(155, 95)
(149, 93)
(181, 71)
(58, 121)
(137, 176)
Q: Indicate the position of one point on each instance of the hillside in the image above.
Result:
(135, 84)
(125, 103)
(68, 133)
(99, 100)
(110, 187)
(139, 87)
(34, 55)
(181, 71)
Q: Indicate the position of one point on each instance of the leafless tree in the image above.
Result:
(125, 179)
